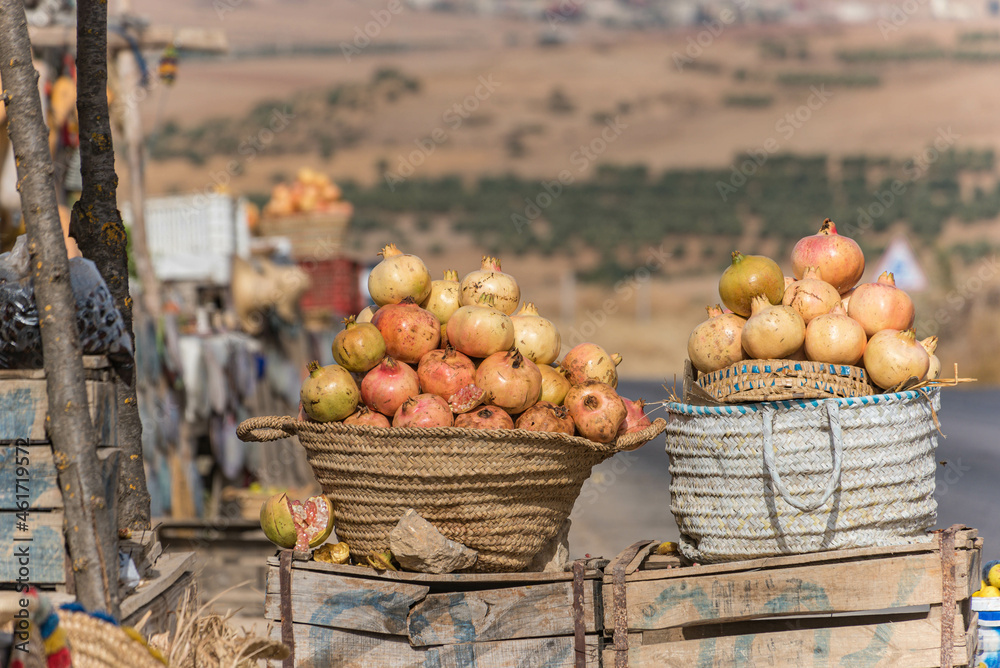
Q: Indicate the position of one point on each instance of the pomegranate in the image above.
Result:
(717, 342)
(596, 409)
(835, 338)
(366, 314)
(445, 296)
(555, 385)
(839, 259)
(635, 417)
(293, 524)
(788, 281)
(313, 522)
(893, 356)
(329, 393)
(409, 331)
(934, 369)
(845, 299)
(511, 381)
(489, 279)
(811, 296)
(881, 305)
(536, 337)
(358, 347)
(397, 277)
(365, 417)
(480, 331)
(772, 332)
(589, 361)
(445, 372)
(545, 416)
(388, 385)
(487, 417)
(276, 521)
(423, 410)
(466, 398)
(747, 277)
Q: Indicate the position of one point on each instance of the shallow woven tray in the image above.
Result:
(782, 380)
(502, 492)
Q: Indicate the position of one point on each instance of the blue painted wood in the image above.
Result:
(28, 471)
(19, 408)
(39, 555)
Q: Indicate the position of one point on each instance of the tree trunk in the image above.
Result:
(69, 425)
(97, 227)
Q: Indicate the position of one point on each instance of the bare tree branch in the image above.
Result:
(73, 438)
(97, 227)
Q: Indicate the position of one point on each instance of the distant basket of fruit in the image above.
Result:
(459, 415)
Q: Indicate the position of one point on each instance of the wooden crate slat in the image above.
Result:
(329, 600)
(535, 611)
(322, 647)
(909, 643)
(849, 586)
(964, 540)
(42, 485)
(24, 403)
(46, 549)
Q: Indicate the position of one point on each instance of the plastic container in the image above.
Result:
(988, 653)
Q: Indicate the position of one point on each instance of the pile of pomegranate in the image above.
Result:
(443, 353)
(821, 314)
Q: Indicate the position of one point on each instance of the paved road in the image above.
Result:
(627, 499)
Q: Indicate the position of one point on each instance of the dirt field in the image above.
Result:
(666, 116)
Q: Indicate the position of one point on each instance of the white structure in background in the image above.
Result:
(899, 260)
(194, 237)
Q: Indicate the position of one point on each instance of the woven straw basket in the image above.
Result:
(778, 380)
(793, 477)
(502, 492)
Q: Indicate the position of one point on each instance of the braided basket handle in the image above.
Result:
(264, 429)
(637, 439)
(833, 415)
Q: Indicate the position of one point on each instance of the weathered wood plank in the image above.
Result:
(964, 540)
(24, 403)
(46, 552)
(914, 643)
(168, 570)
(163, 608)
(536, 611)
(41, 485)
(850, 586)
(460, 579)
(327, 599)
(321, 647)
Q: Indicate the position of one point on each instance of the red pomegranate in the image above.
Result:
(635, 417)
(423, 410)
(487, 417)
(445, 372)
(881, 305)
(388, 385)
(546, 416)
(409, 331)
(839, 259)
(596, 409)
(365, 417)
(511, 381)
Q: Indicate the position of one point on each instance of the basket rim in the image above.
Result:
(792, 404)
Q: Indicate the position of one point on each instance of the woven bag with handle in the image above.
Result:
(502, 492)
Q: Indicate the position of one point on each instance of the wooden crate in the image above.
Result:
(780, 611)
(352, 616)
(23, 408)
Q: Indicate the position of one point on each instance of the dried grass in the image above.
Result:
(208, 640)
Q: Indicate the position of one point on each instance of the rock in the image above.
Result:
(420, 547)
(555, 554)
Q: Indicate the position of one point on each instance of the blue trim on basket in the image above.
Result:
(743, 409)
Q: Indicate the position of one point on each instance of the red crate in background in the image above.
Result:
(334, 287)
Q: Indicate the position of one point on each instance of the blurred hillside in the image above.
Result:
(597, 149)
